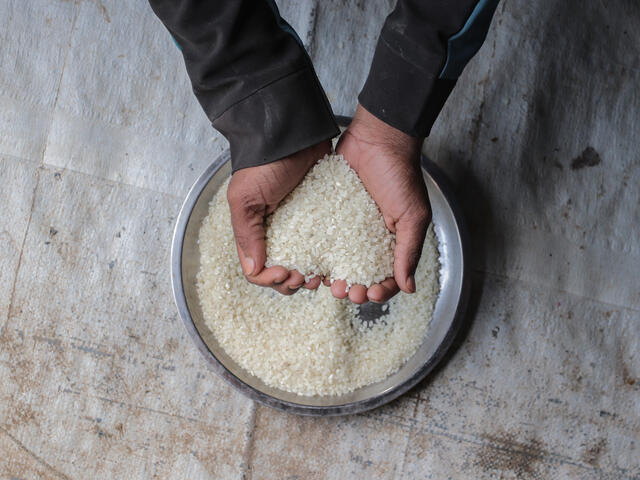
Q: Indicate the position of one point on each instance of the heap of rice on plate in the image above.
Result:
(311, 343)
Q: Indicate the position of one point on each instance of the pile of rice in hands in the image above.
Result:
(330, 226)
(311, 343)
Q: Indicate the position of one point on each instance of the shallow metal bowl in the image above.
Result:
(185, 263)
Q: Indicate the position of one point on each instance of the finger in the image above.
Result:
(284, 290)
(410, 232)
(358, 294)
(339, 289)
(383, 291)
(247, 219)
(295, 280)
(313, 283)
(269, 277)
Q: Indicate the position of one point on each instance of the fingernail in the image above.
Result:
(248, 265)
(411, 284)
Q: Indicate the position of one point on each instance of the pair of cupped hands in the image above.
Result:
(387, 162)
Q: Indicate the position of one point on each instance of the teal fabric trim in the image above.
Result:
(282, 23)
(465, 44)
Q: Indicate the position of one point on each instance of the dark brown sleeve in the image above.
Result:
(423, 48)
(251, 75)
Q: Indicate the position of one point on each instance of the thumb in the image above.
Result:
(247, 219)
(410, 233)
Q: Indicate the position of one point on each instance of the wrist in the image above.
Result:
(368, 128)
(313, 153)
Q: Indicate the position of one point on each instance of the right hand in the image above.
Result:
(254, 193)
(388, 163)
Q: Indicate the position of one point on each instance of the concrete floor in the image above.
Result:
(100, 138)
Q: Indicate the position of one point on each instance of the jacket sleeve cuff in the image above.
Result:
(403, 94)
(279, 119)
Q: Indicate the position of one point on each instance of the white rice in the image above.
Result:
(309, 343)
(330, 226)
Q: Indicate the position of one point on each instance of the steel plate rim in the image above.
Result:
(360, 406)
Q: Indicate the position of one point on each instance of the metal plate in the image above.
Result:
(449, 311)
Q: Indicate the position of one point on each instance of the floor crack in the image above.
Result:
(55, 101)
(405, 454)
(247, 454)
(38, 459)
(17, 270)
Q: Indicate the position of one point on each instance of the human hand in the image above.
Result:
(254, 193)
(388, 163)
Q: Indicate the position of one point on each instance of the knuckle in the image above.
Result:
(284, 290)
(423, 214)
(414, 248)
(243, 199)
(233, 194)
(243, 239)
(251, 279)
(255, 280)
(414, 255)
(409, 256)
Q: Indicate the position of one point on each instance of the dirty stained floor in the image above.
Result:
(100, 139)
